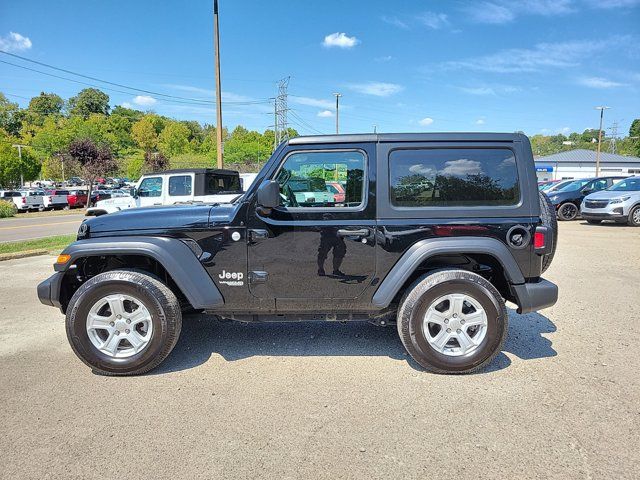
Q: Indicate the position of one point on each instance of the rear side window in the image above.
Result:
(180, 185)
(450, 177)
(220, 183)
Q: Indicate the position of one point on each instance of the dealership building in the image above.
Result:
(582, 164)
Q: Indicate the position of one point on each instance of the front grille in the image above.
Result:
(596, 203)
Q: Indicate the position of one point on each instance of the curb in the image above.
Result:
(27, 253)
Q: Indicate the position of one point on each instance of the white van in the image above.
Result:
(197, 185)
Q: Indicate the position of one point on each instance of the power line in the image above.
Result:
(304, 122)
(135, 89)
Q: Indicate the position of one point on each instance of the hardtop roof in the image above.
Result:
(408, 137)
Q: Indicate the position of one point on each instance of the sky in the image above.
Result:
(538, 66)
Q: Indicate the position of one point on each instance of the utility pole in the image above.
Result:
(281, 109)
(61, 155)
(602, 109)
(275, 124)
(216, 34)
(375, 128)
(338, 95)
(20, 147)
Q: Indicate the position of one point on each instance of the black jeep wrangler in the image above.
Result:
(433, 232)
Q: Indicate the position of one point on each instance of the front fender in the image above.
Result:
(175, 256)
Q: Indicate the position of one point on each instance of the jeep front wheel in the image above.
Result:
(452, 321)
(123, 322)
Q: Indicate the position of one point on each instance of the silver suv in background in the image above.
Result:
(620, 203)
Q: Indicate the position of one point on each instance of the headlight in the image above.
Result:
(619, 199)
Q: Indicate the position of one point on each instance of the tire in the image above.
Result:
(550, 220)
(421, 296)
(163, 325)
(568, 211)
(634, 217)
(594, 222)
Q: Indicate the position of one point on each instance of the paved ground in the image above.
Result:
(25, 227)
(338, 401)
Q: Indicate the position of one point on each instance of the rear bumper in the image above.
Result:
(49, 290)
(535, 296)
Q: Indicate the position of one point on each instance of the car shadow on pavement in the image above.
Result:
(204, 335)
(606, 224)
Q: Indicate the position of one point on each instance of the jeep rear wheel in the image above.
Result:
(567, 211)
(123, 322)
(452, 321)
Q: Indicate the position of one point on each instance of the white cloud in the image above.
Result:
(420, 169)
(433, 20)
(426, 121)
(505, 11)
(396, 22)
(312, 102)
(542, 55)
(144, 100)
(480, 121)
(325, 113)
(340, 40)
(126, 105)
(190, 88)
(461, 167)
(478, 90)
(14, 42)
(377, 89)
(599, 82)
(384, 58)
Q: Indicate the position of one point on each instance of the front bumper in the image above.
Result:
(49, 290)
(535, 296)
(587, 215)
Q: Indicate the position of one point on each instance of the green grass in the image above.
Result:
(48, 243)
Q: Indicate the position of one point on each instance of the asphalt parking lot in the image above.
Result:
(338, 401)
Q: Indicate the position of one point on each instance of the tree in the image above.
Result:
(46, 104)
(634, 132)
(88, 101)
(174, 139)
(10, 118)
(155, 162)
(94, 160)
(144, 133)
(12, 167)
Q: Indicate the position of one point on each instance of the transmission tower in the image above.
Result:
(613, 136)
(281, 108)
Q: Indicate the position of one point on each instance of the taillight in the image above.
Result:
(50, 199)
(539, 240)
(24, 200)
(542, 240)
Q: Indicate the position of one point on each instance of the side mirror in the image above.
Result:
(269, 194)
(133, 193)
(586, 191)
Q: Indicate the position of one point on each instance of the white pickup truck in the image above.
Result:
(24, 200)
(196, 185)
(54, 199)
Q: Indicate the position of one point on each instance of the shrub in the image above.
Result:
(7, 209)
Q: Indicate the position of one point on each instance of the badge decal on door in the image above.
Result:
(232, 279)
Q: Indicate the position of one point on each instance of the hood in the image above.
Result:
(609, 194)
(560, 196)
(156, 219)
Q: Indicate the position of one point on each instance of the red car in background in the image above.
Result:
(339, 193)
(77, 198)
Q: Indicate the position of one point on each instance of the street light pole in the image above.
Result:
(338, 95)
(216, 35)
(602, 109)
(19, 147)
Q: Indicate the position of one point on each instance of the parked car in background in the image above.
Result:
(246, 180)
(554, 187)
(55, 199)
(77, 198)
(75, 182)
(338, 190)
(198, 185)
(620, 203)
(567, 200)
(309, 191)
(33, 199)
(542, 186)
(17, 198)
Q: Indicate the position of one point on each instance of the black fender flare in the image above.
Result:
(424, 249)
(174, 255)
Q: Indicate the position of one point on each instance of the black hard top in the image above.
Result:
(409, 137)
(219, 171)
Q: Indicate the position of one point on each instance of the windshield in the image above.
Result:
(575, 185)
(627, 185)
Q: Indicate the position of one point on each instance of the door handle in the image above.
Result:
(362, 232)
